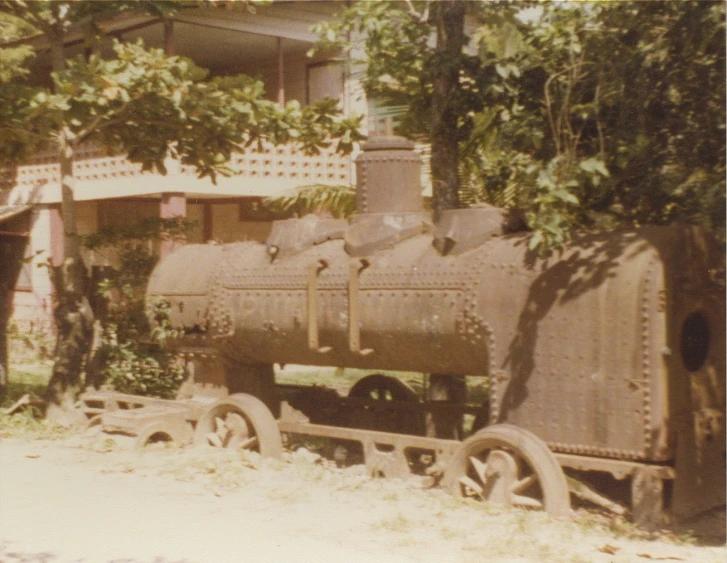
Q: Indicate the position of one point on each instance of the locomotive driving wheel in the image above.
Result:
(509, 465)
(382, 388)
(240, 421)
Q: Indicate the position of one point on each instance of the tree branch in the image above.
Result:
(423, 17)
(96, 124)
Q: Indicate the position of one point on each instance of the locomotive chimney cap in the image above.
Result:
(387, 143)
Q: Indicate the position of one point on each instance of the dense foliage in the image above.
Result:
(584, 115)
(132, 355)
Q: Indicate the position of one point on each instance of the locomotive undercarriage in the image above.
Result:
(384, 425)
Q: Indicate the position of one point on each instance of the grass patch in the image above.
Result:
(28, 425)
(27, 378)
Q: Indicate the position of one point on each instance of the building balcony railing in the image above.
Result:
(289, 165)
(268, 171)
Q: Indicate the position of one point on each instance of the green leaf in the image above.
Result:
(594, 165)
(566, 196)
(535, 240)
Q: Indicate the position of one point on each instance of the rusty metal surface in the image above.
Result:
(620, 469)
(386, 162)
(375, 231)
(184, 279)
(585, 349)
(571, 364)
(572, 334)
(385, 453)
(460, 230)
(293, 236)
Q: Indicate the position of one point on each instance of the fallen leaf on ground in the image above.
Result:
(610, 549)
(667, 558)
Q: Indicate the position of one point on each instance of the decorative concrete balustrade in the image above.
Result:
(269, 171)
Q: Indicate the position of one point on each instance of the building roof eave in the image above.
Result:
(9, 211)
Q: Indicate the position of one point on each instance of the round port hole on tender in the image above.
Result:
(695, 341)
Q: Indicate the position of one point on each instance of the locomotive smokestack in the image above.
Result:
(388, 196)
(388, 174)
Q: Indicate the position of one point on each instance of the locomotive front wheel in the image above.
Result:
(509, 465)
(382, 388)
(240, 421)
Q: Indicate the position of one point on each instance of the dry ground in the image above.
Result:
(66, 501)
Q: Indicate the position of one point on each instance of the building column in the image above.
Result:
(169, 47)
(207, 219)
(281, 73)
(57, 235)
(46, 234)
(173, 204)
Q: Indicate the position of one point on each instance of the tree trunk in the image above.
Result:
(12, 251)
(449, 20)
(5, 297)
(72, 311)
(74, 325)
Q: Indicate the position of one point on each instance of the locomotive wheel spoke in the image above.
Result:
(526, 502)
(523, 484)
(471, 484)
(480, 467)
(236, 425)
(248, 444)
(214, 440)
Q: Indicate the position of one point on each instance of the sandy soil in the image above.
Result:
(68, 502)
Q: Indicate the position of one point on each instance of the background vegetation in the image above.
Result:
(584, 115)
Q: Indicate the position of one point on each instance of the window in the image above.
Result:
(325, 80)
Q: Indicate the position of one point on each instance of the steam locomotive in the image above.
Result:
(602, 368)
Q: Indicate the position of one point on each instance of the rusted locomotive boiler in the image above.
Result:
(605, 360)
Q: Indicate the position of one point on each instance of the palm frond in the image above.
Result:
(320, 199)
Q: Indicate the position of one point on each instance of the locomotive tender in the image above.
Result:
(605, 362)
